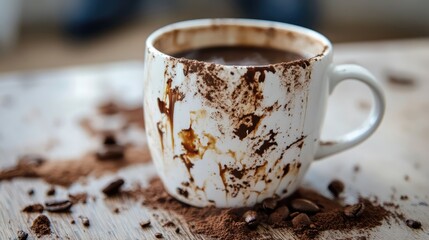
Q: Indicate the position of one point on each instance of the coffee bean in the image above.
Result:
(58, 206)
(158, 235)
(22, 235)
(85, 221)
(34, 208)
(401, 80)
(304, 205)
(301, 221)
(336, 187)
(113, 152)
(279, 214)
(145, 223)
(169, 224)
(251, 218)
(269, 204)
(113, 187)
(354, 210)
(109, 140)
(50, 191)
(413, 224)
(294, 214)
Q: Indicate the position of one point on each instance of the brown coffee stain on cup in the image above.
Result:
(267, 144)
(247, 124)
(159, 126)
(241, 104)
(190, 141)
(166, 106)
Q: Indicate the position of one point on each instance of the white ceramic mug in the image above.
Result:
(231, 136)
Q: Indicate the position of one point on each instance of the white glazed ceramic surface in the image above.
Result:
(231, 136)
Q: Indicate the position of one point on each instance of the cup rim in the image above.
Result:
(207, 22)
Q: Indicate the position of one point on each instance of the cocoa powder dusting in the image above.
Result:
(231, 223)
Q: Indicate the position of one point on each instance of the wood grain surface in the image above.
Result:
(40, 113)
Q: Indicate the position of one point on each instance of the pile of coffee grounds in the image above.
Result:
(67, 172)
(327, 214)
(109, 158)
(41, 226)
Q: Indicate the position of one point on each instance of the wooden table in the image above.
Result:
(40, 112)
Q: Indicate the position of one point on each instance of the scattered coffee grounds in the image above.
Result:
(21, 235)
(116, 210)
(132, 115)
(78, 198)
(30, 192)
(158, 235)
(336, 187)
(58, 206)
(33, 208)
(239, 223)
(31, 160)
(25, 166)
(110, 152)
(401, 80)
(109, 140)
(145, 223)
(407, 178)
(41, 226)
(356, 168)
(66, 172)
(113, 187)
(404, 197)
(413, 224)
(85, 221)
(50, 191)
(177, 230)
(73, 221)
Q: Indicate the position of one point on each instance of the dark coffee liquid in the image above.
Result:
(239, 55)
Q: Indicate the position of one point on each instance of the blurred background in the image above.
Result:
(37, 34)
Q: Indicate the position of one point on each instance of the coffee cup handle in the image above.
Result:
(336, 75)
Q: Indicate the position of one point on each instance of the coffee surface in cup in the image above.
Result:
(239, 55)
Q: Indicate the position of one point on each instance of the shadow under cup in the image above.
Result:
(231, 136)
